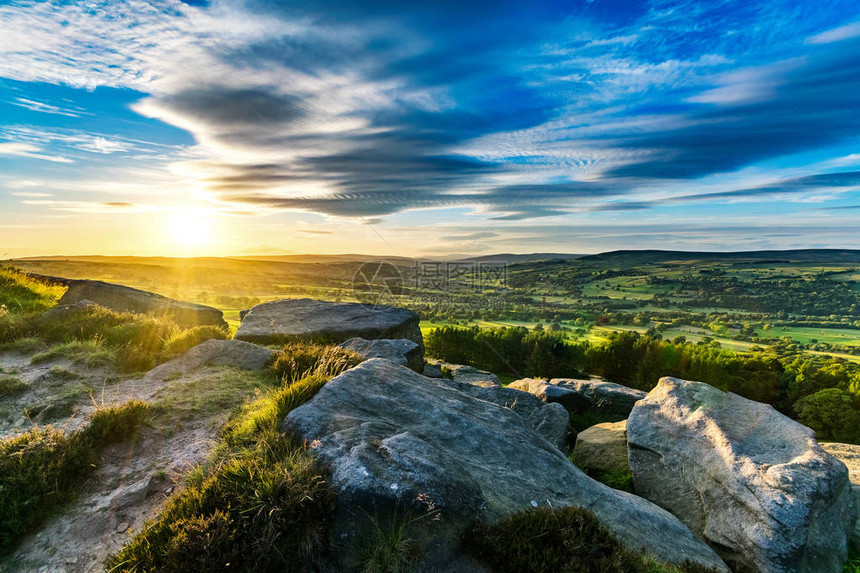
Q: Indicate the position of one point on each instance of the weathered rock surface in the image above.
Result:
(849, 454)
(603, 447)
(126, 299)
(750, 481)
(613, 400)
(432, 370)
(236, 353)
(399, 441)
(401, 351)
(549, 420)
(332, 322)
(573, 401)
(468, 374)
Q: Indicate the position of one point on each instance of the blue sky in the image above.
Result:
(238, 127)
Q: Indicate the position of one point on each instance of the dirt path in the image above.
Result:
(134, 478)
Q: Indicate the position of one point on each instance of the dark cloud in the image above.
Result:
(223, 109)
(814, 104)
(452, 72)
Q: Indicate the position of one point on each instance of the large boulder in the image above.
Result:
(331, 322)
(603, 448)
(398, 443)
(401, 351)
(237, 353)
(750, 481)
(849, 454)
(126, 299)
(573, 401)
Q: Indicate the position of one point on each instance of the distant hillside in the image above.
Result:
(513, 258)
(631, 258)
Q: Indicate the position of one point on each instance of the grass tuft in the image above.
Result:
(391, 548)
(183, 340)
(21, 294)
(10, 385)
(133, 342)
(91, 353)
(298, 360)
(565, 540)
(42, 469)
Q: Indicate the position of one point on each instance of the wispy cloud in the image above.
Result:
(30, 151)
(845, 32)
(508, 109)
(42, 107)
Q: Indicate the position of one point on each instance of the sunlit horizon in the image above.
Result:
(223, 128)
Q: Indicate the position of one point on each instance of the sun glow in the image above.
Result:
(192, 229)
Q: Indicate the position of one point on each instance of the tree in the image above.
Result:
(832, 414)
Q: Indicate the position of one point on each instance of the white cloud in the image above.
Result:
(31, 151)
(845, 32)
(34, 105)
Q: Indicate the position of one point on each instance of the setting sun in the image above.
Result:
(191, 229)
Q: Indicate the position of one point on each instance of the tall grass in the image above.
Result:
(297, 360)
(135, 341)
(42, 469)
(261, 503)
(564, 540)
(21, 294)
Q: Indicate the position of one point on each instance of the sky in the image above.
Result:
(239, 127)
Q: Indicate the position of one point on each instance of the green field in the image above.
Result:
(811, 297)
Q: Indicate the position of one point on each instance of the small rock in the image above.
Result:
(401, 351)
(603, 447)
(122, 526)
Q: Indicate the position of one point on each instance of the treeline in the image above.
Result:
(821, 392)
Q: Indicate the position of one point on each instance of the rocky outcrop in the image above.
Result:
(750, 481)
(549, 420)
(400, 351)
(849, 454)
(613, 401)
(126, 299)
(573, 401)
(331, 322)
(235, 353)
(603, 448)
(398, 442)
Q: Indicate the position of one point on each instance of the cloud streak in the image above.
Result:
(508, 109)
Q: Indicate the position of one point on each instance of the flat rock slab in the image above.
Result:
(753, 483)
(126, 299)
(330, 322)
(467, 374)
(235, 353)
(400, 351)
(849, 454)
(573, 401)
(613, 400)
(397, 442)
(603, 447)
